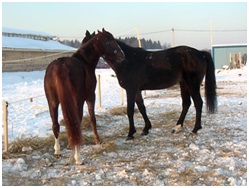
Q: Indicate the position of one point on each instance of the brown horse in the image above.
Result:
(71, 81)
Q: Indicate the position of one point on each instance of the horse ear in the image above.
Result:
(93, 34)
(88, 33)
(103, 30)
(99, 31)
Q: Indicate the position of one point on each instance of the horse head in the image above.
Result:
(112, 51)
(87, 37)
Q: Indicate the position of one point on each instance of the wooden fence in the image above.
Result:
(28, 60)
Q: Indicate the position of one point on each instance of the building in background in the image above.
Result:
(229, 56)
(24, 50)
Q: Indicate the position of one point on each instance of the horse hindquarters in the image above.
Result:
(69, 109)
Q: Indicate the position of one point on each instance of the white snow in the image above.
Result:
(22, 43)
(24, 31)
(217, 155)
(26, 43)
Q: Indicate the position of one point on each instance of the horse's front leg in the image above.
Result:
(91, 104)
(130, 113)
(142, 109)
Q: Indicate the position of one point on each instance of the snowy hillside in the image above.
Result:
(26, 43)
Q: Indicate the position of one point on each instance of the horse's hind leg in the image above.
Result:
(196, 96)
(186, 102)
(53, 108)
(142, 109)
(91, 111)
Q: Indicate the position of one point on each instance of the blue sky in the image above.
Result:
(71, 20)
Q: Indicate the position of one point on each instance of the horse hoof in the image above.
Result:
(97, 142)
(177, 129)
(57, 156)
(79, 163)
(129, 138)
(144, 133)
(195, 130)
(173, 131)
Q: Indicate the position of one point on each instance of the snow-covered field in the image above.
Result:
(217, 155)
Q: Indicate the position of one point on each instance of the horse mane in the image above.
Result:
(128, 48)
(80, 54)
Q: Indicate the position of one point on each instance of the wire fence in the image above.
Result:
(35, 58)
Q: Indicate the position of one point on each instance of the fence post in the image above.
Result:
(99, 91)
(240, 63)
(5, 124)
(122, 96)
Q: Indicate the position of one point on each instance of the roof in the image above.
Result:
(19, 39)
(22, 31)
(228, 45)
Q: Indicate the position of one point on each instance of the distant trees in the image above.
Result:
(73, 43)
(131, 41)
(146, 44)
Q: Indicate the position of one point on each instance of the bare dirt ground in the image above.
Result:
(217, 155)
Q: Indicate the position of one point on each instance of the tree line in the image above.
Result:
(131, 41)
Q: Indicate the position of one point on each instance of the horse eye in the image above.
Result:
(115, 51)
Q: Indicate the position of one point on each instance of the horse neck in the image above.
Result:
(87, 55)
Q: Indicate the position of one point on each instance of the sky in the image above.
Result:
(191, 21)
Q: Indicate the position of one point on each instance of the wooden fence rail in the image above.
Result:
(5, 125)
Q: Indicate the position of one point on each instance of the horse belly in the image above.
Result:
(161, 81)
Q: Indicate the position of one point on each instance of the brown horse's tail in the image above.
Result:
(69, 110)
(210, 84)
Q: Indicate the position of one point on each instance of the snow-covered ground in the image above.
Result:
(217, 155)
(26, 43)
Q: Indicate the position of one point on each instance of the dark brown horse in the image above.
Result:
(71, 81)
(145, 70)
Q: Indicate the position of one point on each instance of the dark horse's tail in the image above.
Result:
(69, 110)
(210, 84)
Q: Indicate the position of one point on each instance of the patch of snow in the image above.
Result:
(24, 31)
(24, 43)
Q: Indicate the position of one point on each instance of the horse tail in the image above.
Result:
(69, 110)
(210, 84)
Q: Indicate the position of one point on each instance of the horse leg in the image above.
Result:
(186, 102)
(91, 111)
(142, 109)
(130, 113)
(196, 96)
(53, 108)
(77, 155)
